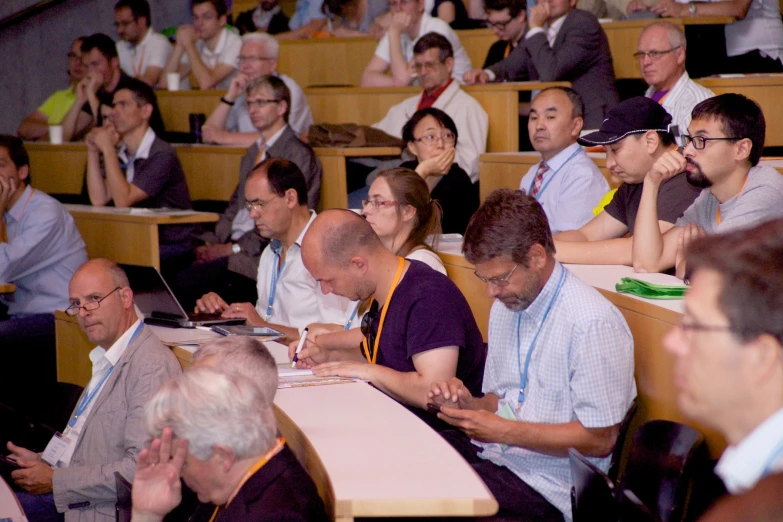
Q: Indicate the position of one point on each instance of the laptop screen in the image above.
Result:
(151, 293)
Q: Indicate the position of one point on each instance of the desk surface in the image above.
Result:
(9, 506)
(142, 215)
(7, 288)
(357, 152)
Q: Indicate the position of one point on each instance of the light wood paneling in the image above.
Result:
(73, 349)
(7, 288)
(175, 107)
(212, 171)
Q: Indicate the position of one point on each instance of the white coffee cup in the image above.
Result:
(172, 81)
(56, 134)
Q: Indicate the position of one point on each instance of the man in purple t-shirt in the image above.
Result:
(419, 329)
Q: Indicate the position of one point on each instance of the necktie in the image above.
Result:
(539, 179)
(261, 154)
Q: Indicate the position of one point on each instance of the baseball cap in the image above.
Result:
(632, 116)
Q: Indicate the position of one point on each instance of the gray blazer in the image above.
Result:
(114, 432)
(289, 147)
(580, 55)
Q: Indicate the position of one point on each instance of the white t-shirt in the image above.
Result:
(429, 258)
(226, 52)
(152, 51)
(429, 25)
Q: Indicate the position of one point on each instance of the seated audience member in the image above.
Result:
(396, 50)
(635, 135)
(104, 77)
(145, 172)
(724, 145)
(228, 263)
(452, 12)
(566, 182)
(267, 18)
(36, 125)
(754, 42)
(559, 370)
(727, 349)
(308, 19)
(431, 137)
(348, 18)
(40, 248)
(230, 123)
(761, 503)
(561, 44)
(434, 61)
(661, 55)
(288, 296)
(251, 477)
(106, 431)
(207, 49)
(143, 52)
(507, 20)
(428, 334)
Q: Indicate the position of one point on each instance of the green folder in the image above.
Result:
(637, 287)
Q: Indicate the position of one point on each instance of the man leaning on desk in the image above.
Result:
(74, 479)
(559, 370)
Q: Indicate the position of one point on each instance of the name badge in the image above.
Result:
(55, 449)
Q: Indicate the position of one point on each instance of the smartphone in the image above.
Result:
(270, 334)
(433, 408)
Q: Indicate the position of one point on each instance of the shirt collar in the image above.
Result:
(683, 79)
(219, 47)
(741, 466)
(116, 350)
(559, 159)
(538, 307)
(554, 27)
(271, 141)
(144, 147)
(276, 244)
(17, 211)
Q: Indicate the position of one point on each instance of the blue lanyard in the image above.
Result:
(87, 399)
(353, 315)
(543, 188)
(523, 374)
(273, 289)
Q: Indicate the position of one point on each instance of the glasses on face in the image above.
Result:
(378, 203)
(253, 59)
(258, 206)
(689, 325)
(653, 55)
(124, 23)
(397, 5)
(89, 306)
(497, 281)
(260, 102)
(500, 26)
(699, 142)
(448, 138)
(426, 66)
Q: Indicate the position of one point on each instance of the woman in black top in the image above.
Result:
(431, 136)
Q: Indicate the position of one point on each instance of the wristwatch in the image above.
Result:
(224, 100)
(235, 248)
(692, 8)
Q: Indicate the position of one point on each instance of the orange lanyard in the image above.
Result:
(392, 288)
(137, 72)
(508, 49)
(717, 212)
(252, 471)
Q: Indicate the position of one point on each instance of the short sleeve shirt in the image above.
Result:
(226, 52)
(427, 311)
(152, 51)
(306, 10)
(674, 196)
(58, 104)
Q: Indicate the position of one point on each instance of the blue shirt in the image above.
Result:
(306, 10)
(571, 188)
(44, 249)
(581, 369)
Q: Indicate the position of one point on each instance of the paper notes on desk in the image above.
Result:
(296, 378)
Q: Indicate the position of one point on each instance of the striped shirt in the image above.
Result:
(681, 100)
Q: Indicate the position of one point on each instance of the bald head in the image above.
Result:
(338, 235)
(104, 268)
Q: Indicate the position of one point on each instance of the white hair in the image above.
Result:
(244, 356)
(674, 34)
(208, 407)
(269, 41)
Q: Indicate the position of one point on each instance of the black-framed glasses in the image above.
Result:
(260, 206)
(500, 26)
(448, 138)
(260, 103)
(89, 306)
(654, 55)
(497, 281)
(687, 325)
(367, 329)
(426, 66)
(699, 142)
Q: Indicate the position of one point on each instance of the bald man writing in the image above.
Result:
(418, 328)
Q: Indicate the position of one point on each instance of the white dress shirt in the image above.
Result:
(300, 117)
(143, 152)
(226, 52)
(681, 99)
(153, 51)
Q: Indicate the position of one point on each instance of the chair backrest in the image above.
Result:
(124, 505)
(659, 467)
(592, 495)
(617, 453)
(631, 509)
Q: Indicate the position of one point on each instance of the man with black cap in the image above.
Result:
(635, 134)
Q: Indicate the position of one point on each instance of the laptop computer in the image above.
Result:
(157, 302)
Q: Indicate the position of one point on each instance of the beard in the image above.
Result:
(697, 177)
(516, 302)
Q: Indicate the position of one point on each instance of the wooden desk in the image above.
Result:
(57, 169)
(7, 288)
(506, 170)
(127, 235)
(334, 187)
(766, 90)
(175, 107)
(366, 106)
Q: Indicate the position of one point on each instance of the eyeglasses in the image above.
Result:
(125, 23)
(88, 306)
(260, 103)
(259, 206)
(699, 142)
(366, 328)
(500, 26)
(497, 281)
(653, 55)
(243, 59)
(688, 325)
(378, 203)
(448, 138)
(426, 66)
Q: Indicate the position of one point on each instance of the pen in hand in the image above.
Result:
(299, 347)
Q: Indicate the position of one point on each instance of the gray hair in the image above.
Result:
(208, 407)
(267, 40)
(674, 34)
(243, 356)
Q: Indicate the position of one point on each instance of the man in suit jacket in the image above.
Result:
(252, 478)
(228, 261)
(106, 431)
(562, 44)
